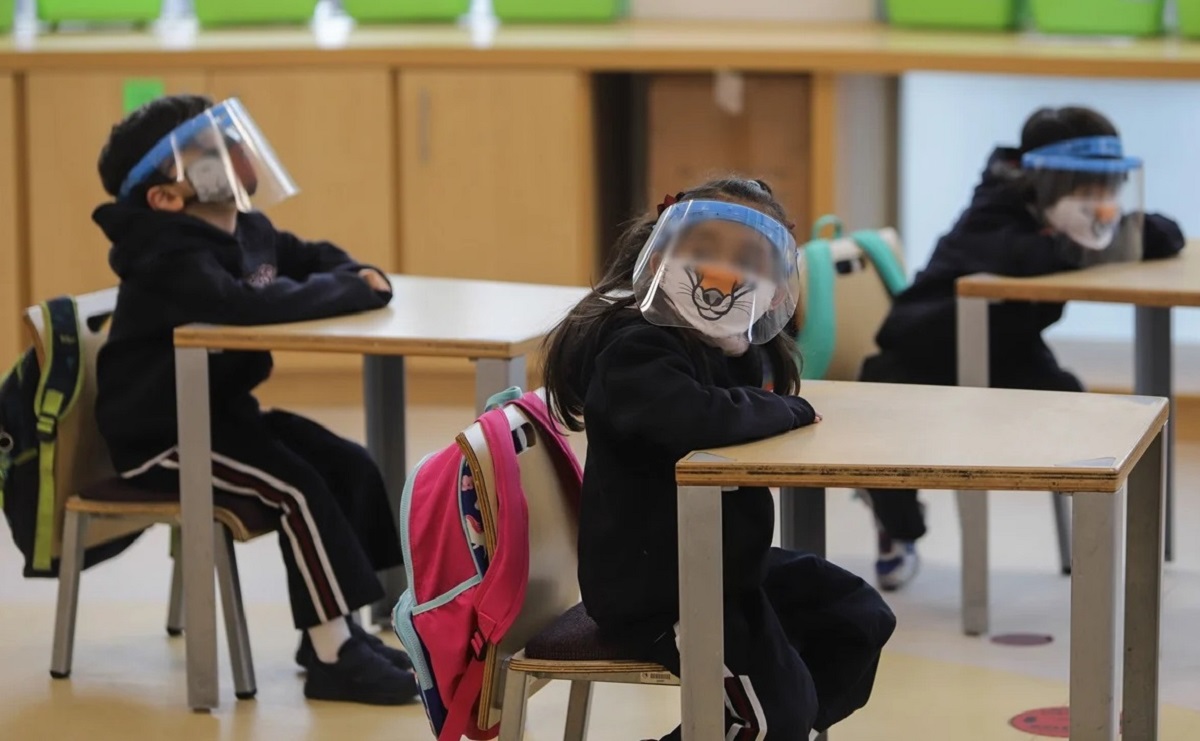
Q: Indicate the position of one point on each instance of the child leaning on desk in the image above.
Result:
(1067, 198)
(189, 247)
(666, 356)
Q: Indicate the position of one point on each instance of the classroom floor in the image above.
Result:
(128, 679)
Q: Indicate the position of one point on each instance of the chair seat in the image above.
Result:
(572, 644)
(246, 518)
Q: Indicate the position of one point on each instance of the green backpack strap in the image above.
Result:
(887, 267)
(58, 388)
(508, 395)
(817, 337)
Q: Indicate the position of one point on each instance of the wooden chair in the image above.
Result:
(552, 638)
(93, 505)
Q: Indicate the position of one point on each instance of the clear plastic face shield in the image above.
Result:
(726, 270)
(1089, 191)
(223, 156)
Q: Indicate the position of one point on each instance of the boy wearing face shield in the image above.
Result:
(1067, 198)
(190, 247)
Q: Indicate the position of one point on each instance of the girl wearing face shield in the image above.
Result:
(1067, 198)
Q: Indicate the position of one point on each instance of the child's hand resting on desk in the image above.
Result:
(375, 280)
(802, 411)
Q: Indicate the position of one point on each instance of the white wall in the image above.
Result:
(807, 10)
(950, 122)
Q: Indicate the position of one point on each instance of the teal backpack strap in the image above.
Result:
(58, 388)
(507, 396)
(887, 267)
(817, 337)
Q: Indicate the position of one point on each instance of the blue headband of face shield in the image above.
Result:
(1099, 154)
(699, 210)
(219, 116)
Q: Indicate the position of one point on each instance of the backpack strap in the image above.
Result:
(887, 267)
(568, 465)
(817, 336)
(58, 388)
(501, 594)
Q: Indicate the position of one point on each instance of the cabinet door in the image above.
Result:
(692, 139)
(12, 278)
(497, 175)
(334, 132)
(68, 117)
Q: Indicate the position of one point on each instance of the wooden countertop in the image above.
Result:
(945, 437)
(1158, 283)
(428, 317)
(631, 45)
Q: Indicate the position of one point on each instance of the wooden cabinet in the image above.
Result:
(497, 175)
(333, 130)
(691, 139)
(68, 117)
(12, 290)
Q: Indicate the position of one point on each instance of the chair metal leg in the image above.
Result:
(578, 709)
(512, 711)
(235, 615)
(175, 608)
(1062, 524)
(70, 564)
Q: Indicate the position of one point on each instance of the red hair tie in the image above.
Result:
(668, 201)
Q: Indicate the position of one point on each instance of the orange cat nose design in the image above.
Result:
(717, 283)
(1107, 212)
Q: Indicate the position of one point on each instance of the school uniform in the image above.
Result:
(802, 637)
(336, 528)
(999, 233)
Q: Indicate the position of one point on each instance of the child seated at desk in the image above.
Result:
(188, 248)
(665, 356)
(1067, 198)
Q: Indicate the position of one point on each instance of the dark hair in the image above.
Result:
(572, 343)
(1047, 126)
(137, 134)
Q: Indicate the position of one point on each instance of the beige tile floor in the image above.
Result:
(128, 681)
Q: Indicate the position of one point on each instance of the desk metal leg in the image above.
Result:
(1152, 377)
(802, 519)
(802, 528)
(384, 402)
(702, 618)
(1143, 592)
(973, 370)
(196, 515)
(494, 375)
(1098, 540)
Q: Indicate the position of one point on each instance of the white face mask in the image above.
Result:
(210, 179)
(1089, 222)
(719, 302)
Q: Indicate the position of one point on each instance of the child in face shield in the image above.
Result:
(1067, 198)
(665, 356)
(189, 247)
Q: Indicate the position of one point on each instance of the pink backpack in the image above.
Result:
(467, 565)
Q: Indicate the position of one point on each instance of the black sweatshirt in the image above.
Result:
(998, 234)
(175, 270)
(651, 397)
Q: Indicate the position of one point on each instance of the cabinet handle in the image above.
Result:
(423, 126)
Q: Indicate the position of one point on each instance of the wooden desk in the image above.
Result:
(1152, 287)
(494, 324)
(1106, 450)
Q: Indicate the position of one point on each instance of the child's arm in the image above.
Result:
(650, 391)
(298, 259)
(1162, 237)
(205, 292)
(1000, 247)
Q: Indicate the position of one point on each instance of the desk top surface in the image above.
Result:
(438, 317)
(938, 437)
(1158, 283)
(628, 45)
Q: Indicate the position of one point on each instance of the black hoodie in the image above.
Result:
(998, 234)
(650, 397)
(175, 270)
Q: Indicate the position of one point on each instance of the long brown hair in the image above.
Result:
(571, 345)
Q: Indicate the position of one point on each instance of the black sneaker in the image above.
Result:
(360, 675)
(305, 654)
